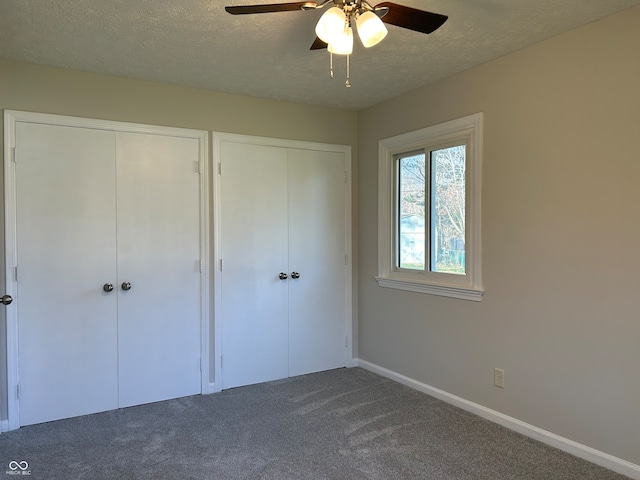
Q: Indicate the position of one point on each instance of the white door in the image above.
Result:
(283, 211)
(98, 208)
(158, 219)
(317, 323)
(66, 217)
(254, 252)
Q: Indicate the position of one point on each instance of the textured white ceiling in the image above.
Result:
(196, 43)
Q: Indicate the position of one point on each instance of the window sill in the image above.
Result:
(463, 293)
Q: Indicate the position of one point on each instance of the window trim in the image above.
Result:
(468, 286)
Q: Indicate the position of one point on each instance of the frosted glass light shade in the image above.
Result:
(343, 43)
(331, 24)
(370, 29)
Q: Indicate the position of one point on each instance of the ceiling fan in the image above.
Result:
(335, 28)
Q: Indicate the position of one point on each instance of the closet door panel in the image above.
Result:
(66, 217)
(159, 256)
(254, 252)
(317, 324)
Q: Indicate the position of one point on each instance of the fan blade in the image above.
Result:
(411, 18)
(268, 8)
(318, 44)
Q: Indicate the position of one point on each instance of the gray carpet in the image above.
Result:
(341, 424)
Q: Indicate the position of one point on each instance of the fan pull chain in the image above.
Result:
(330, 65)
(347, 83)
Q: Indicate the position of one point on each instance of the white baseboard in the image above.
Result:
(4, 425)
(582, 451)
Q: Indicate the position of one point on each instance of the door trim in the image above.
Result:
(11, 118)
(218, 138)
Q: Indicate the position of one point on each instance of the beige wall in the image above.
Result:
(561, 240)
(51, 90)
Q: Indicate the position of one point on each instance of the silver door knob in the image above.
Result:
(108, 287)
(6, 299)
(126, 286)
(295, 275)
(283, 276)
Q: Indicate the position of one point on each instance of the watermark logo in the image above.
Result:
(18, 468)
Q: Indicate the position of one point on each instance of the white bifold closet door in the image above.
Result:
(254, 247)
(317, 325)
(283, 214)
(158, 254)
(66, 237)
(95, 208)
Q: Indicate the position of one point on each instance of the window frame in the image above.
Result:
(468, 286)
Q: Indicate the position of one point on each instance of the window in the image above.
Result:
(429, 210)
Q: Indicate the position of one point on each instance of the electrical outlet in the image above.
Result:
(498, 377)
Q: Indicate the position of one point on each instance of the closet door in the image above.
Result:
(254, 252)
(158, 285)
(317, 324)
(66, 217)
(283, 211)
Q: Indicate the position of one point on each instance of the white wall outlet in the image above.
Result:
(498, 377)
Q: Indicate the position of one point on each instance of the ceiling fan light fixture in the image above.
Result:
(371, 30)
(334, 29)
(331, 24)
(343, 43)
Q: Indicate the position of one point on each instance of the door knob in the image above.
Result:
(108, 287)
(126, 286)
(295, 275)
(283, 276)
(6, 299)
